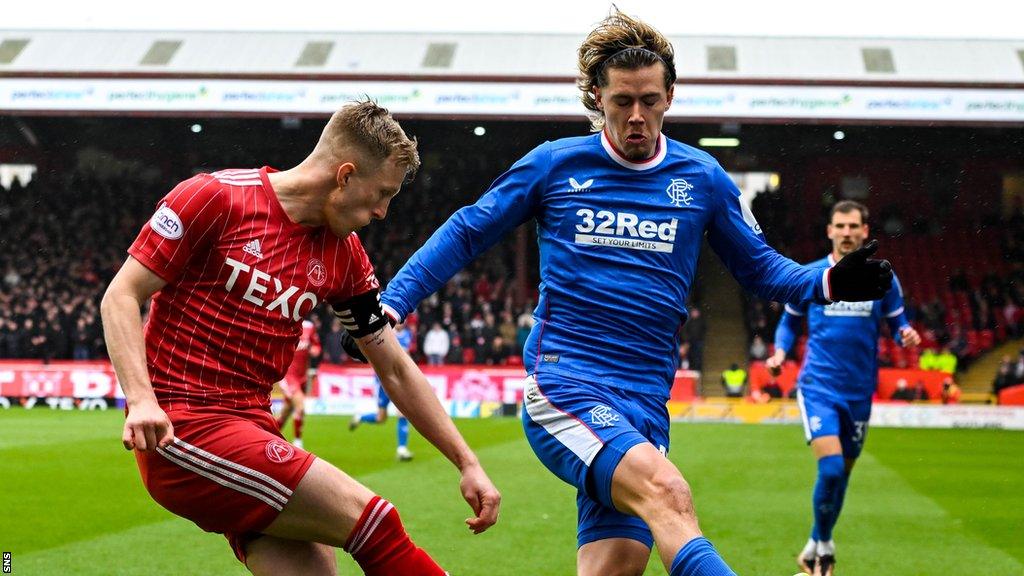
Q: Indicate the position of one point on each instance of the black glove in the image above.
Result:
(349, 345)
(857, 278)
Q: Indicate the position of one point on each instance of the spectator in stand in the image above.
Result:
(950, 392)
(772, 389)
(497, 353)
(928, 360)
(455, 352)
(695, 330)
(946, 361)
(733, 380)
(902, 392)
(436, 344)
(758, 349)
(332, 342)
(919, 392)
(1004, 376)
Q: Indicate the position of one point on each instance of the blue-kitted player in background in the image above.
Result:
(838, 378)
(621, 215)
(381, 415)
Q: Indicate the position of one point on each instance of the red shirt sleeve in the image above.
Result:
(361, 277)
(186, 221)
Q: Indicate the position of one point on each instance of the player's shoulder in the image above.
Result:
(574, 143)
(240, 177)
(680, 151)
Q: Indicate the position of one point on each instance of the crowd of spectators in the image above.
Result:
(63, 237)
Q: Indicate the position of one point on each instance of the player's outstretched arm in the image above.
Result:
(146, 425)
(414, 397)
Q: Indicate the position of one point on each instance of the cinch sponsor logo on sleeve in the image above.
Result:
(625, 230)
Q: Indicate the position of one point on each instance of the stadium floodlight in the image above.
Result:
(718, 142)
(479, 130)
(197, 128)
(839, 135)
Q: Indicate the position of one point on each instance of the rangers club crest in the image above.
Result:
(602, 416)
(279, 451)
(679, 192)
(316, 272)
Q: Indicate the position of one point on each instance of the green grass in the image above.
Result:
(921, 502)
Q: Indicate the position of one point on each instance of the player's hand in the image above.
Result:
(859, 278)
(146, 427)
(910, 337)
(349, 345)
(774, 363)
(482, 497)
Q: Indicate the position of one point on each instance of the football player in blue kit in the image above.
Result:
(838, 378)
(621, 215)
(402, 452)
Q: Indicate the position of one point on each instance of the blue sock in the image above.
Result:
(840, 496)
(699, 558)
(830, 476)
(370, 418)
(403, 432)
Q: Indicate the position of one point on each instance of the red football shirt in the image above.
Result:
(241, 276)
(309, 345)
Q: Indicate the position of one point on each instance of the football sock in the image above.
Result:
(841, 495)
(370, 418)
(403, 432)
(830, 476)
(699, 558)
(381, 547)
(297, 424)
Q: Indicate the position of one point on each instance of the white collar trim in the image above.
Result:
(646, 164)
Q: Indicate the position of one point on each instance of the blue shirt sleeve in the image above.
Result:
(788, 328)
(736, 237)
(511, 200)
(893, 310)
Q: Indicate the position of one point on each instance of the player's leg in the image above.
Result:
(378, 417)
(273, 556)
(822, 427)
(612, 557)
(559, 422)
(299, 404)
(402, 451)
(647, 484)
(330, 507)
(286, 406)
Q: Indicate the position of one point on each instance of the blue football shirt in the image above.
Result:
(619, 242)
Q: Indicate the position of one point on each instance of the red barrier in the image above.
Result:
(887, 378)
(1012, 396)
(458, 383)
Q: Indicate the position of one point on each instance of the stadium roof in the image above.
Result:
(442, 55)
(511, 75)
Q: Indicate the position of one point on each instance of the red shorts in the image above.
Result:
(292, 383)
(229, 471)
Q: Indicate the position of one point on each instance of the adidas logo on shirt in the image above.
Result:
(253, 247)
(373, 318)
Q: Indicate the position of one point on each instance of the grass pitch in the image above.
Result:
(921, 502)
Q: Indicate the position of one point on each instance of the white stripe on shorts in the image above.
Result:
(226, 473)
(803, 414)
(565, 427)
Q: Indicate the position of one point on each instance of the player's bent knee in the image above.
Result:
(831, 468)
(272, 556)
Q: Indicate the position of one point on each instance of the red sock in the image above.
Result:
(382, 548)
(297, 423)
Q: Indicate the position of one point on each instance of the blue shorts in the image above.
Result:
(826, 413)
(580, 432)
(382, 396)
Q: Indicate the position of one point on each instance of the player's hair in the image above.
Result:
(847, 206)
(619, 41)
(370, 131)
